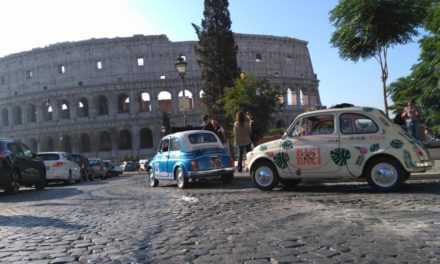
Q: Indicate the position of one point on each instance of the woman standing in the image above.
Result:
(242, 133)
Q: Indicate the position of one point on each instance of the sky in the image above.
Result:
(27, 24)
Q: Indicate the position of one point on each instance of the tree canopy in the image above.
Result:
(367, 28)
(423, 84)
(255, 95)
(217, 52)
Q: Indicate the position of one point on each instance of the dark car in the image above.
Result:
(97, 168)
(112, 169)
(20, 166)
(84, 164)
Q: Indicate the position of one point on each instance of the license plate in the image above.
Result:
(215, 163)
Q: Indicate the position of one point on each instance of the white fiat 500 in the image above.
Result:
(357, 142)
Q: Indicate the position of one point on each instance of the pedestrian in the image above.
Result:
(204, 122)
(413, 115)
(255, 128)
(215, 127)
(242, 134)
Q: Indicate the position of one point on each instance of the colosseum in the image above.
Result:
(106, 97)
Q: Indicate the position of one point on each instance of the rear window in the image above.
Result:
(49, 156)
(200, 138)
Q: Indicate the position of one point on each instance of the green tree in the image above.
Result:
(253, 94)
(217, 53)
(368, 28)
(423, 84)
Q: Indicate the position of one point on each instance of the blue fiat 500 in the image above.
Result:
(188, 156)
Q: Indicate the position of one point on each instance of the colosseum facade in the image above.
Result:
(106, 97)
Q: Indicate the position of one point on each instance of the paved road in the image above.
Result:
(122, 220)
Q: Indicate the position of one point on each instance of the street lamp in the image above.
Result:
(181, 68)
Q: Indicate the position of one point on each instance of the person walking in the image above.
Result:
(242, 135)
(255, 129)
(413, 114)
(205, 122)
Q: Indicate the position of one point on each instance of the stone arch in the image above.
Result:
(186, 103)
(47, 111)
(144, 102)
(16, 115)
(102, 106)
(124, 140)
(32, 113)
(164, 99)
(33, 145)
(5, 117)
(84, 143)
(48, 144)
(146, 138)
(83, 107)
(64, 109)
(291, 97)
(105, 141)
(66, 143)
(123, 103)
(202, 100)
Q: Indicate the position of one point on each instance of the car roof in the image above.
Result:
(53, 152)
(344, 109)
(183, 136)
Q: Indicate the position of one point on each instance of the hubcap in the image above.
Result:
(264, 176)
(180, 179)
(384, 175)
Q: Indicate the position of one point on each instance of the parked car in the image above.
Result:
(20, 166)
(143, 163)
(189, 156)
(83, 162)
(131, 166)
(60, 166)
(112, 169)
(350, 142)
(97, 168)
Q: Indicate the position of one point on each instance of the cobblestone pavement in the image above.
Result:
(122, 220)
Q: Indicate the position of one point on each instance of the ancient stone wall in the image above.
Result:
(105, 97)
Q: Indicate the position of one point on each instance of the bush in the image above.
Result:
(276, 131)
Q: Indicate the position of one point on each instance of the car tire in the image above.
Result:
(41, 184)
(227, 178)
(182, 181)
(152, 178)
(385, 174)
(265, 176)
(69, 180)
(290, 182)
(13, 185)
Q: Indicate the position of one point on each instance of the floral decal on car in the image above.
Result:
(396, 143)
(340, 156)
(263, 148)
(287, 144)
(374, 147)
(281, 159)
(407, 158)
(362, 151)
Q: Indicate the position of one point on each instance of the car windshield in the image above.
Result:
(49, 156)
(95, 162)
(200, 138)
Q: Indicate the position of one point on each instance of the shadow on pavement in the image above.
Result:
(31, 195)
(36, 221)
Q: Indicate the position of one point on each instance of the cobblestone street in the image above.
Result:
(122, 220)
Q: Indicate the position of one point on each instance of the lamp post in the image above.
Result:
(181, 69)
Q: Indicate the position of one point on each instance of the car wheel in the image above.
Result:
(69, 180)
(265, 176)
(385, 174)
(41, 182)
(290, 182)
(227, 178)
(182, 182)
(152, 178)
(13, 186)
